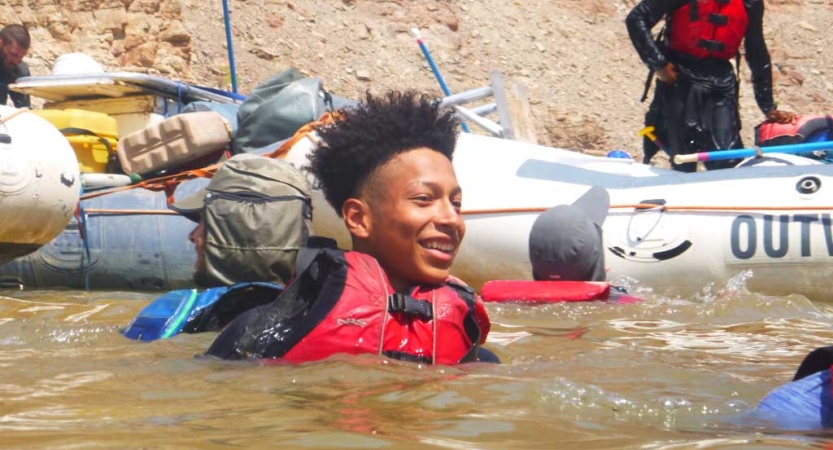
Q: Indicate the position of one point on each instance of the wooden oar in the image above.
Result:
(753, 151)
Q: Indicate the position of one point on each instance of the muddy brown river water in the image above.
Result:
(667, 373)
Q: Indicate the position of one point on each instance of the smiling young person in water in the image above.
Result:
(385, 167)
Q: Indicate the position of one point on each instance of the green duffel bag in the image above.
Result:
(278, 107)
(258, 214)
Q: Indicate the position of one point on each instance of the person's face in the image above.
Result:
(12, 55)
(408, 217)
(197, 236)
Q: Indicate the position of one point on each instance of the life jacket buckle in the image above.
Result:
(712, 46)
(406, 304)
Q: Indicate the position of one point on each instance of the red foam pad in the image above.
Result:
(544, 291)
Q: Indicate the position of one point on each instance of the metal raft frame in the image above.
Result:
(510, 104)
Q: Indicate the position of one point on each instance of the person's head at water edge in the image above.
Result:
(385, 167)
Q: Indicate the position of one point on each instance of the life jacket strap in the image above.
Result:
(407, 357)
(718, 19)
(469, 323)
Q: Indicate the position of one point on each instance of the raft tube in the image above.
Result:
(135, 243)
(39, 182)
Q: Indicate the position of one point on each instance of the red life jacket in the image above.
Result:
(342, 302)
(796, 132)
(708, 28)
(434, 324)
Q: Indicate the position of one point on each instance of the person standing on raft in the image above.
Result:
(695, 104)
(385, 167)
(14, 44)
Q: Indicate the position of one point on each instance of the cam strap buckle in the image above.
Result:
(406, 304)
(712, 46)
(718, 19)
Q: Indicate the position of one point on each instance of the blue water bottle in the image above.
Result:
(621, 154)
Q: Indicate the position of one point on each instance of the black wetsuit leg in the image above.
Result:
(725, 130)
(699, 113)
(671, 122)
(652, 118)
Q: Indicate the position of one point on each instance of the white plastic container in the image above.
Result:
(174, 142)
(76, 63)
(104, 180)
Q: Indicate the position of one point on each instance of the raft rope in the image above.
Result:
(649, 206)
(131, 212)
(11, 115)
(169, 183)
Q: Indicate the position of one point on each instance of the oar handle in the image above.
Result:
(683, 159)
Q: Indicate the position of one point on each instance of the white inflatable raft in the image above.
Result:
(671, 231)
(39, 182)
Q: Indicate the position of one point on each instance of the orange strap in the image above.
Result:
(165, 183)
(326, 119)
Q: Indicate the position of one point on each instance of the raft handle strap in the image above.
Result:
(85, 236)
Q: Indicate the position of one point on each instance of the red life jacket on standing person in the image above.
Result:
(342, 302)
(708, 28)
(796, 132)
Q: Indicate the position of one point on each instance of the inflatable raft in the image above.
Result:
(675, 232)
(92, 128)
(39, 182)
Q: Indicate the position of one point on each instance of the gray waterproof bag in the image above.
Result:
(278, 107)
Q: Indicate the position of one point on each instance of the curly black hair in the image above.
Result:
(366, 136)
